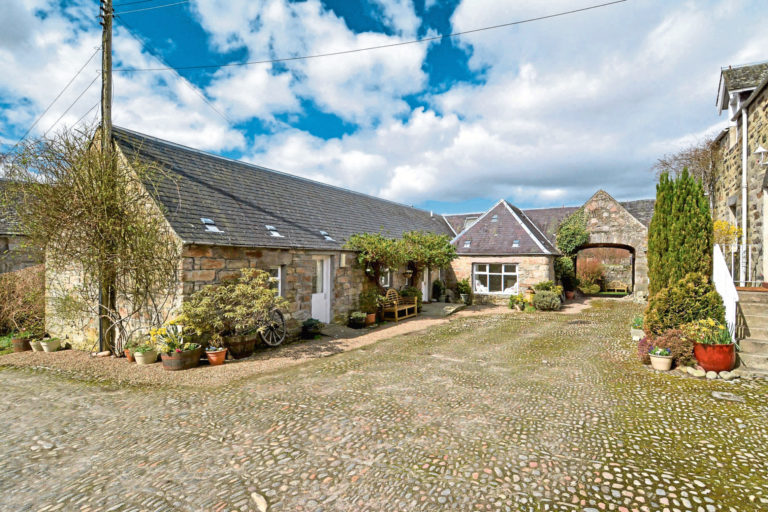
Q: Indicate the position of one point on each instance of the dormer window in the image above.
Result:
(469, 221)
(495, 218)
(210, 225)
(467, 243)
(515, 243)
(273, 231)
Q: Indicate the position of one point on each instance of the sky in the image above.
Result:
(542, 114)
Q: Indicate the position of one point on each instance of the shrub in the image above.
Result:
(22, 300)
(565, 270)
(438, 288)
(463, 287)
(544, 286)
(591, 272)
(412, 291)
(357, 319)
(643, 349)
(589, 289)
(637, 322)
(691, 298)
(546, 301)
(516, 300)
(679, 345)
(369, 300)
(572, 233)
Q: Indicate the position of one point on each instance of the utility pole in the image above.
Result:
(106, 75)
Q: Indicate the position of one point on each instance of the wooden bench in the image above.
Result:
(398, 307)
(617, 286)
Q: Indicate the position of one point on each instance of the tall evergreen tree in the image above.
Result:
(658, 242)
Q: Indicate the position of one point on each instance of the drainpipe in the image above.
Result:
(744, 155)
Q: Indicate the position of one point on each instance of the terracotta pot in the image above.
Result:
(216, 358)
(240, 346)
(50, 345)
(20, 344)
(569, 294)
(663, 363)
(128, 355)
(36, 346)
(715, 358)
(185, 360)
(370, 319)
(145, 357)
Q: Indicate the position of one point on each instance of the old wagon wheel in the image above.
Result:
(273, 333)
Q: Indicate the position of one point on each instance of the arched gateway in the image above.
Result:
(621, 225)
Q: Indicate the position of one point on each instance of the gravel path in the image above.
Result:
(525, 412)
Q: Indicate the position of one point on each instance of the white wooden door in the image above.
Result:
(321, 289)
(425, 286)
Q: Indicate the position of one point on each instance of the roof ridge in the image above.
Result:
(746, 65)
(266, 169)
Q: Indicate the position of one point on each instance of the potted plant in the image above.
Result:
(412, 291)
(145, 354)
(216, 355)
(464, 290)
(176, 353)
(35, 345)
(50, 344)
(230, 314)
(357, 319)
(21, 342)
(713, 345)
(517, 302)
(311, 327)
(661, 358)
(637, 328)
(369, 304)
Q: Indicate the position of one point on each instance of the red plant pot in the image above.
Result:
(129, 356)
(370, 319)
(21, 344)
(715, 358)
(570, 294)
(216, 358)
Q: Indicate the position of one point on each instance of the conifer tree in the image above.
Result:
(658, 242)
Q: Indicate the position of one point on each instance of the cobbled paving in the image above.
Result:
(523, 412)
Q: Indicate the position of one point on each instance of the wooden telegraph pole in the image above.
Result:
(106, 75)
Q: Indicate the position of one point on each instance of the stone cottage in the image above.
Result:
(740, 193)
(15, 251)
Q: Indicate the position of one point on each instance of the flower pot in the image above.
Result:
(370, 319)
(464, 297)
(569, 294)
(51, 345)
(663, 363)
(20, 344)
(145, 357)
(240, 346)
(637, 334)
(715, 358)
(176, 361)
(128, 355)
(216, 358)
(36, 346)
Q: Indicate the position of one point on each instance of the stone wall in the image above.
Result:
(531, 270)
(727, 200)
(610, 224)
(16, 255)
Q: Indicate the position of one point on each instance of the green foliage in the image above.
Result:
(565, 271)
(311, 325)
(680, 237)
(516, 300)
(690, 299)
(357, 319)
(591, 272)
(376, 253)
(679, 345)
(463, 287)
(572, 233)
(22, 300)
(589, 289)
(708, 331)
(544, 286)
(412, 291)
(637, 322)
(234, 307)
(438, 288)
(424, 250)
(546, 301)
(369, 300)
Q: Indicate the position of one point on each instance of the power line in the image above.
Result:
(55, 100)
(378, 47)
(183, 80)
(87, 112)
(151, 8)
(72, 104)
(134, 2)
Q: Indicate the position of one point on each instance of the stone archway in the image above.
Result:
(631, 255)
(610, 225)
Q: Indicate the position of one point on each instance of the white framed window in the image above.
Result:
(276, 279)
(385, 279)
(501, 278)
(469, 221)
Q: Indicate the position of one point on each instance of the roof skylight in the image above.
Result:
(495, 218)
(273, 231)
(515, 243)
(210, 225)
(467, 243)
(326, 236)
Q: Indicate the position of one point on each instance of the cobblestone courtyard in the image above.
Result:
(520, 412)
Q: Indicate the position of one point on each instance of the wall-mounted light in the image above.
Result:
(762, 155)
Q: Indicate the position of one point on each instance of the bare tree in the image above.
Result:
(702, 159)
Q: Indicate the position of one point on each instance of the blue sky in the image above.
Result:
(542, 114)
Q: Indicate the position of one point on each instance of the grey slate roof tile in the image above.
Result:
(242, 199)
(641, 209)
(745, 77)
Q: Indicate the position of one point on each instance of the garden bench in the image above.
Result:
(617, 286)
(398, 307)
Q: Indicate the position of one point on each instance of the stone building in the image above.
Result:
(15, 251)
(739, 196)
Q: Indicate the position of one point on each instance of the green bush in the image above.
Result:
(357, 319)
(544, 286)
(369, 300)
(589, 289)
(691, 298)
(516, 300)
(438, 288)
(412, 291)
(22, 300)
(679, 345)
(546, 301)
(565, 271)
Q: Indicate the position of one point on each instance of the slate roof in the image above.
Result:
(744, 77)
(641, 209)
(495, 232)
(457, 220)
(242, 199)
(549, 219)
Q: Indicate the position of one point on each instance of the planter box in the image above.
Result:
(20, 344)
(715, 358)
(50, 346)
(177, 361)
(240, 346)
(36, 346)
(637, 334)
(145, 357)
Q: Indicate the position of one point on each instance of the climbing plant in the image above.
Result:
(572, 233)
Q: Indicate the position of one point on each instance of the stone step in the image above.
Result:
(756, 322)
(753, 297)
(760, 333)
(754, 346)
(753, 308)
(754, 361)
(750, 373)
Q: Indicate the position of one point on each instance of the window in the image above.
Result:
(467, 243)
(326, 236)
(469, 221)
(515, 243)
(495, 278)
(273, 231)
(495, 218)
(210, 225)
(385, 279)
(276, 279)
